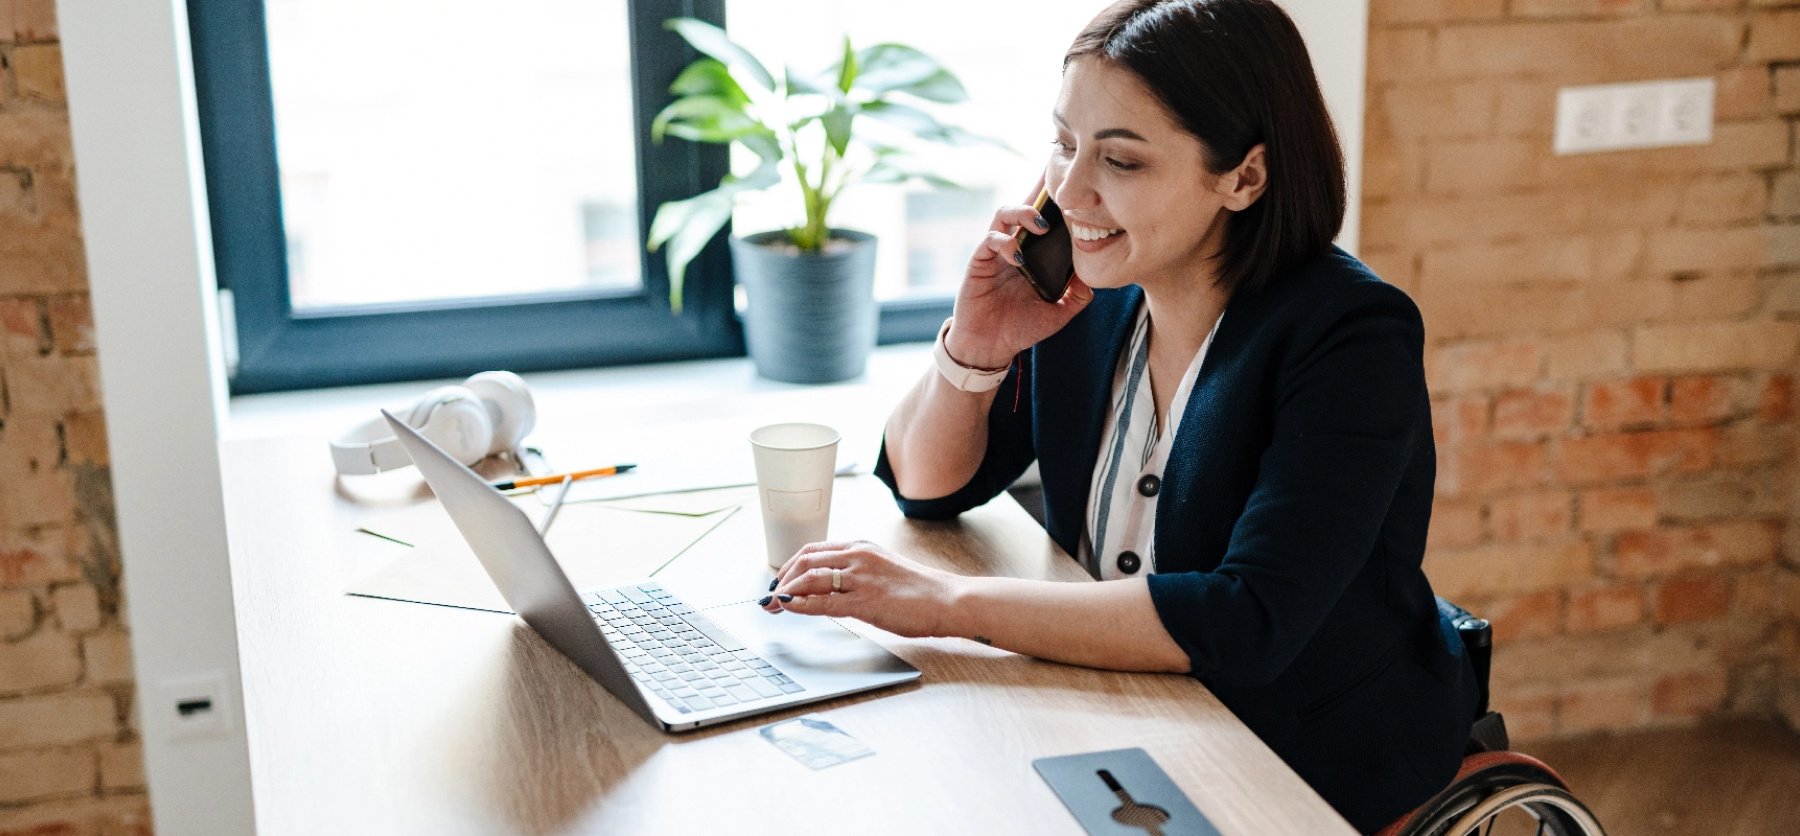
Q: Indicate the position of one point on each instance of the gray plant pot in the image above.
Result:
(810, 316)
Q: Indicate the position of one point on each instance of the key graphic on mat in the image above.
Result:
(1093, 785)
(1132, 814)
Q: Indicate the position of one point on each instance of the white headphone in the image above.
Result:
(489, 413)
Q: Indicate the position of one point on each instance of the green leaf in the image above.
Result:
(709, 77)
(686, 226)
(763, 176)
(883, 174)
(670, 218)
(896, 68)
(837, 127)
(925, 126)
(964, 137)
(887, 67)
(801, 122)
(764, 143)
(712, 40)
(847, 69)
(799, 83)
(942, 182)
(940, 86)
(909, 118)
(898, 169)
(704, 119)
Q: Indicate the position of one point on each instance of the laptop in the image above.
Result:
(678, 667)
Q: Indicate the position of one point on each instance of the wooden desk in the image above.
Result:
(373, 716)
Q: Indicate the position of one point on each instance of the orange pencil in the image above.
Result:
(558, 477)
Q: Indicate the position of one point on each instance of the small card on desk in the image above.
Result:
(1122, 791)
(814, 741)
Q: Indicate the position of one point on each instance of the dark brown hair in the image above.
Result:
(1235, 73)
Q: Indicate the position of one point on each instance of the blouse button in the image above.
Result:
(1149, 485)
(1128, 562)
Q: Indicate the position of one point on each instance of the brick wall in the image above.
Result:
(70, 761)
(1612, 347)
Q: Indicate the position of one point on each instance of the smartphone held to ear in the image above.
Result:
(1050, 257)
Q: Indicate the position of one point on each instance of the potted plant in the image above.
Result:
(810, 287)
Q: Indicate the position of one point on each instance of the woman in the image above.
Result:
(1229, 416)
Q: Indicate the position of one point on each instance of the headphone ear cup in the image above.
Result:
(454, 419)
(509, 405)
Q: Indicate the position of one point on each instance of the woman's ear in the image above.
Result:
(1243, 185)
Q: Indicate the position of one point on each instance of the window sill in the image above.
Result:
(647, 390)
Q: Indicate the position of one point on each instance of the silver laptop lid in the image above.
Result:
(520, 564)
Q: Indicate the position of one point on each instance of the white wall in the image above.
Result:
(1337, 35)
(149, 254)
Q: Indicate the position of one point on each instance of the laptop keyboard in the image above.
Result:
(680, 655)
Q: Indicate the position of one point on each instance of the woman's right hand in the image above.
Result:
(998, 314)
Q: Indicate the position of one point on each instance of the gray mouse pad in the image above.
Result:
(1122, 792)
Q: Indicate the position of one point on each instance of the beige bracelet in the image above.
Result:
(964, 377)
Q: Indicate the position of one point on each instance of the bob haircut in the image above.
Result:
(1235, 73)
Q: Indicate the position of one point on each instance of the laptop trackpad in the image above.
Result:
(816, 652)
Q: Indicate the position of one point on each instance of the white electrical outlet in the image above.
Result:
(1638, 111)
(1583, 119)
(1652, 114)
(1688, 113)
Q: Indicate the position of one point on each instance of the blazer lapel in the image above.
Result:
(1196, 511)
(1075, 368)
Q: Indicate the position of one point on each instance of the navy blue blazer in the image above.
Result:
(1290, 526)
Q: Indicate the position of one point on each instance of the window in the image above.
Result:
(427, 188)
(415, 167)
(404, 189)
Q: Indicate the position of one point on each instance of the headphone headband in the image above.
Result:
(368, 449)
(489, 413)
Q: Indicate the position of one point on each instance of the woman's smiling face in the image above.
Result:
(1140, 203)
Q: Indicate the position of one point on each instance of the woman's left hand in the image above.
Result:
(872, 584)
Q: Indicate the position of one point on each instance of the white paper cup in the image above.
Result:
(795, 464)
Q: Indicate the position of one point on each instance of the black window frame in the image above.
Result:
(279, 349)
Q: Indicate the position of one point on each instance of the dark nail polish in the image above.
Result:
(764, 601)
(773, 583)
(1042, 224)
(785, 597)
(1019, 259)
